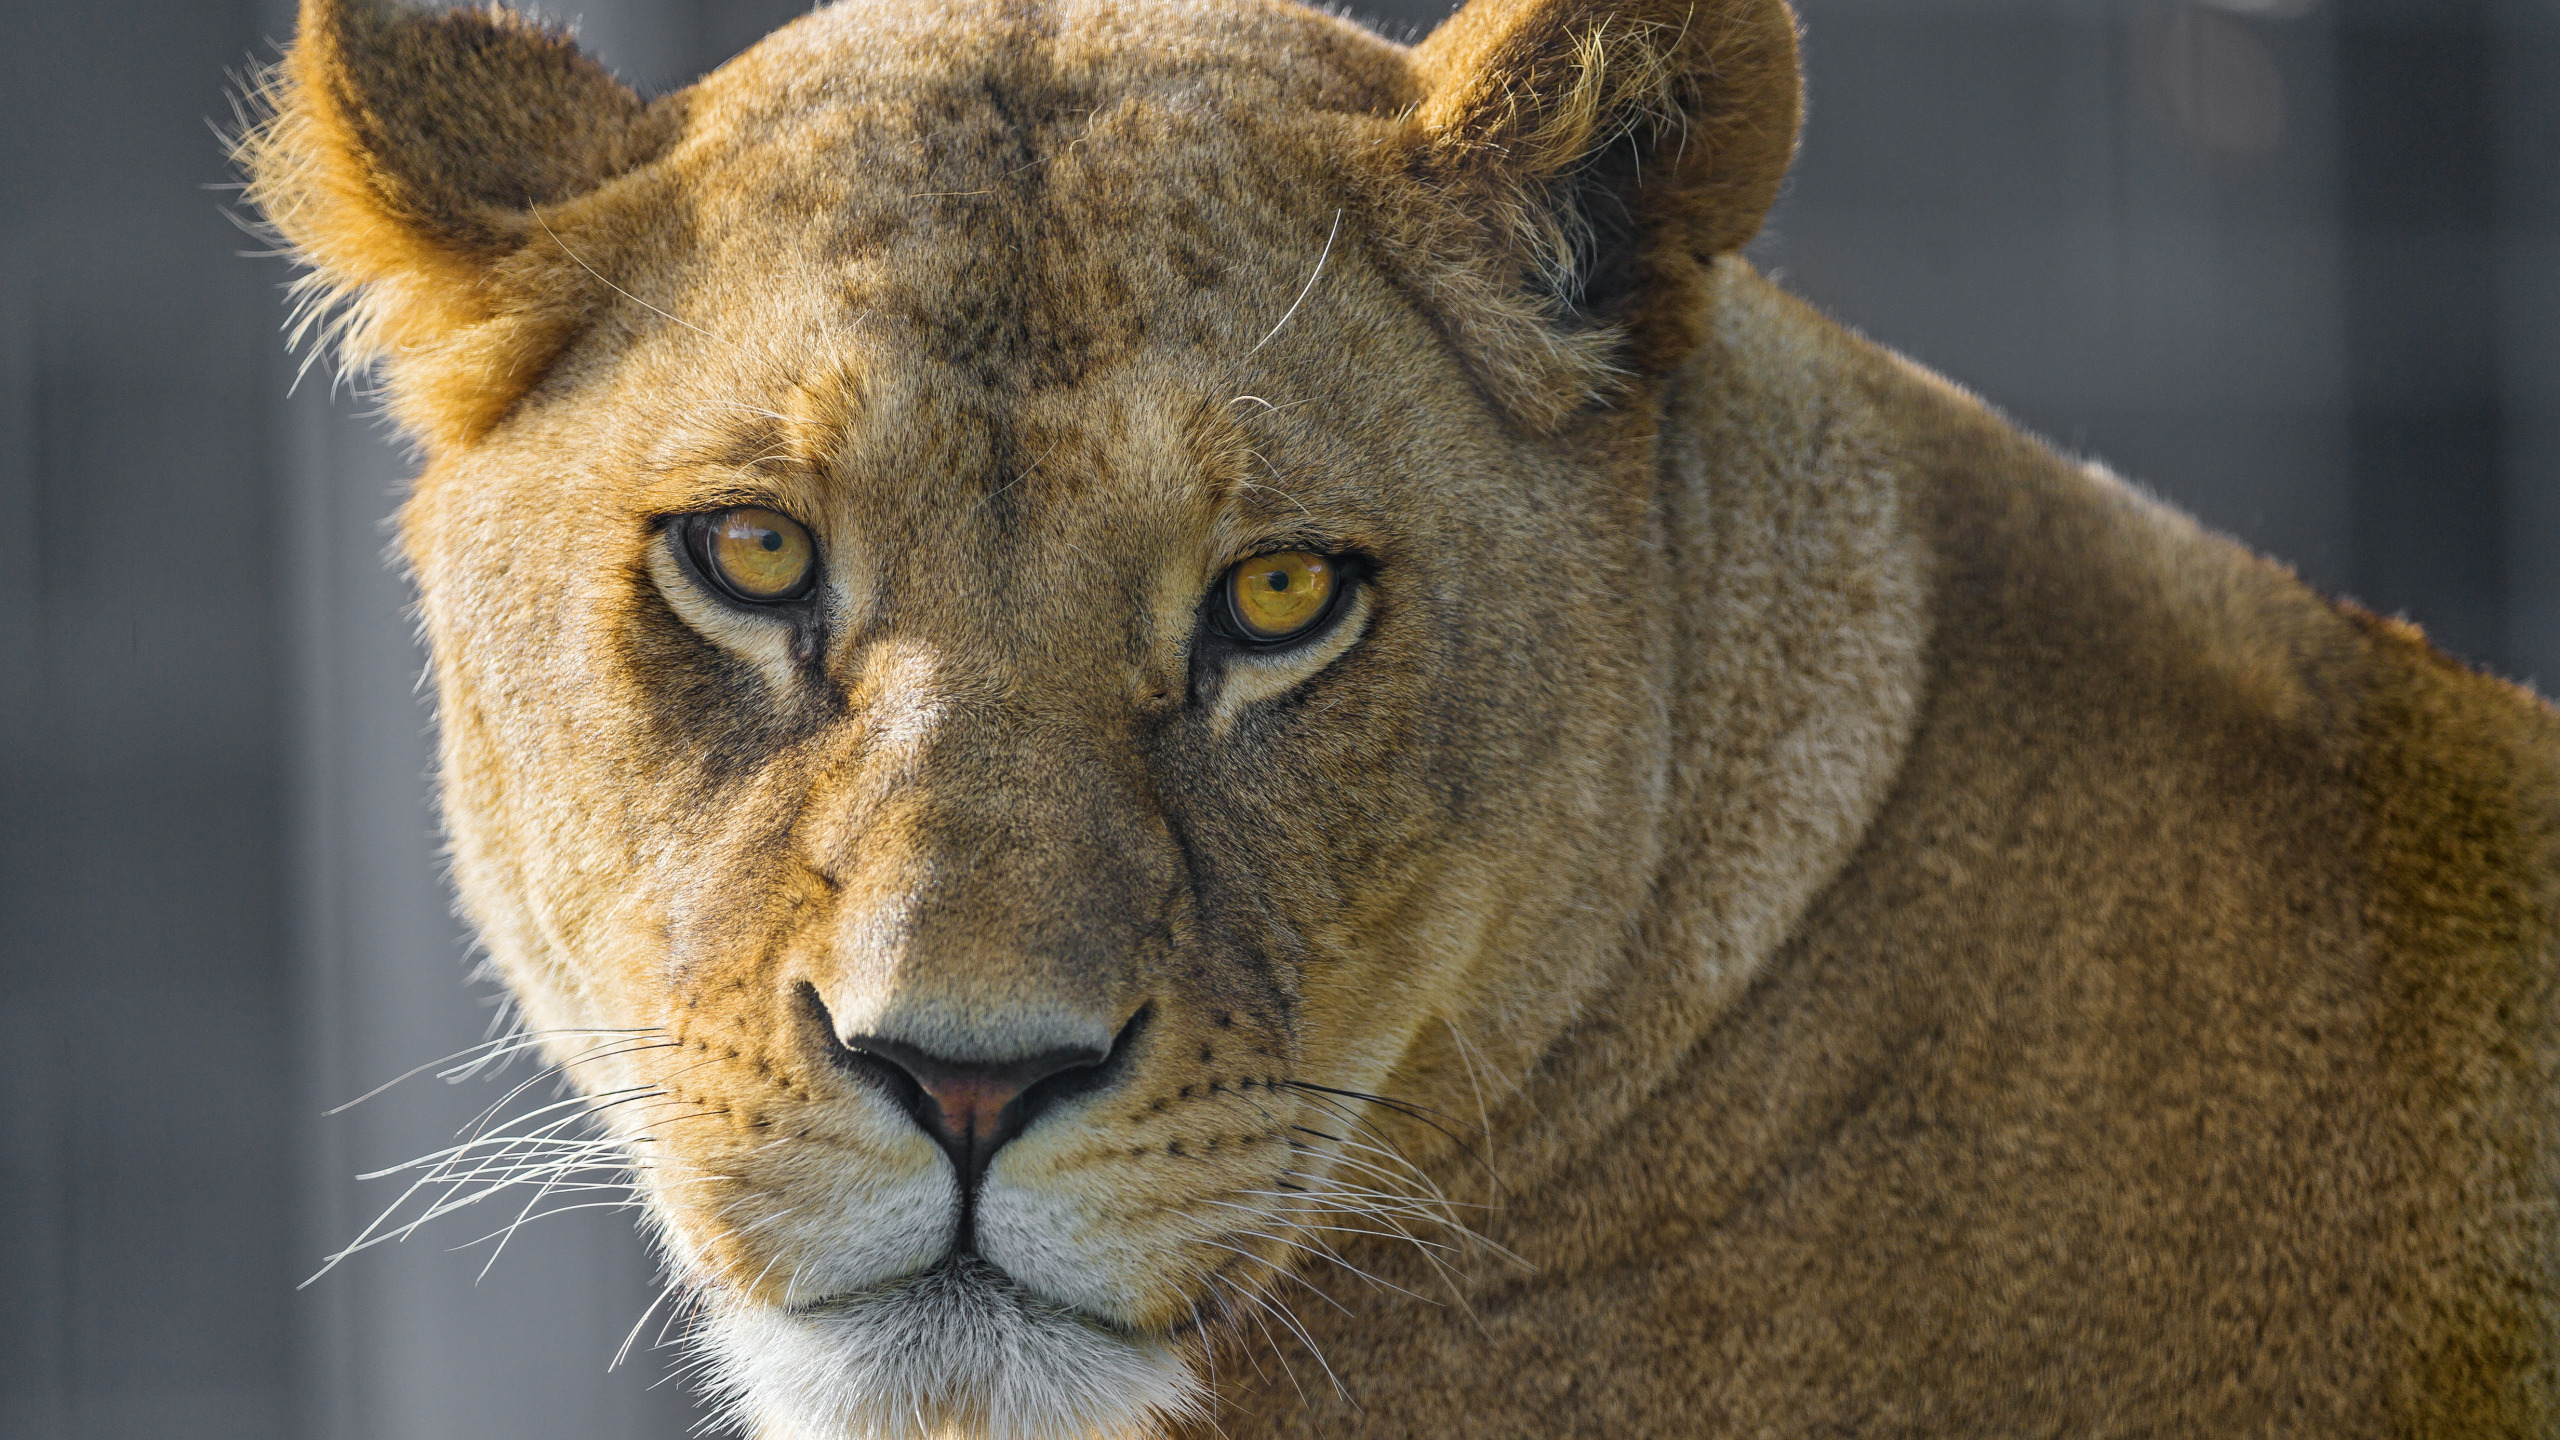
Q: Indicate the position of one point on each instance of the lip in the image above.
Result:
(969, 1269)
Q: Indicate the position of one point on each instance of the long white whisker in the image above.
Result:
(513, 1044)
(1278, 1269)
(640, 1324)
(1281, 1312)
(1309, 288)
(1277, 1353)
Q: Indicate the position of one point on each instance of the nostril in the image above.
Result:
(972, 1107)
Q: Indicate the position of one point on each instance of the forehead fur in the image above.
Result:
(1024, 193)
(994, 233)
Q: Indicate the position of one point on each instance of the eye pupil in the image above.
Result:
(1277, 579)
(772, 540)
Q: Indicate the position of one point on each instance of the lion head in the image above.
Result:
(1052, 610)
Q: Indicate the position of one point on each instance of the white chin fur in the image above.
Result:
(959, 1352)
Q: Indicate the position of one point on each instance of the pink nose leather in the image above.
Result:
(971, 1106)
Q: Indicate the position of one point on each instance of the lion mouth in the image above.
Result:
(961, 1282)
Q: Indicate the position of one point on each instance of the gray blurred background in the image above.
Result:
(2289, 262)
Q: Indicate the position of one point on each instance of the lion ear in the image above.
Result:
(1605, 153)
(422, 164)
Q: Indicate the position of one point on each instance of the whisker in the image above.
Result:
(618, 290)
(1309, 288)
(1289, 1321)
(1418, 1113)
(1326, 1253)
(517, 1042)
(990, 496)
(641, 1324)
(1276, 1352)
(1467, 1056)
(1380, 1172)
(1280, 1270)
(1397, 1234)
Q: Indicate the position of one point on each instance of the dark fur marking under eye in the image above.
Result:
(709, 713)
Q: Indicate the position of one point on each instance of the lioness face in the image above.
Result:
(1032, 605)
(844, 691)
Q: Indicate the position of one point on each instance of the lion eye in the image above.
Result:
(1272, 598)
(758, 555)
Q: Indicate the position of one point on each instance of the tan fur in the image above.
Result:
(1854, 924)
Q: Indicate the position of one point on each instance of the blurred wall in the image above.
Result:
(2291, 263)
(149, 1128)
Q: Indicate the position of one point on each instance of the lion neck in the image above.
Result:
(1800, 617)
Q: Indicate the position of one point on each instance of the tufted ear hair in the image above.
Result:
(423, 164)
(1601, 154)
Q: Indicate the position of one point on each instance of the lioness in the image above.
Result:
(1246, 743)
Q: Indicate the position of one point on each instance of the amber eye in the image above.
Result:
(756, 554)
(1271, 598)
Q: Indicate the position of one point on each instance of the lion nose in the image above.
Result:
(973, 1107)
